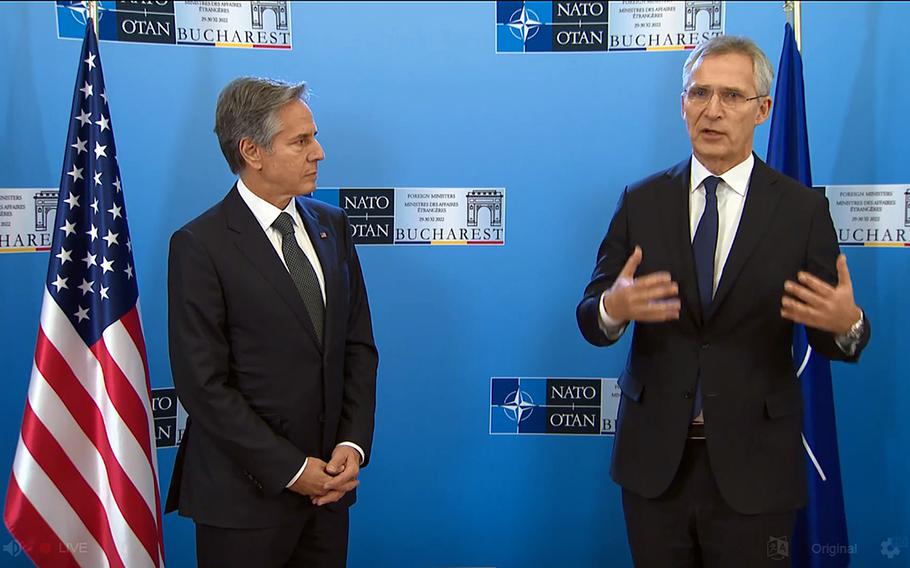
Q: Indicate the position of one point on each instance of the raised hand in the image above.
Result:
(815, 303)
(650, 298)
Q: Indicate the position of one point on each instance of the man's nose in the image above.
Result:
(319, 154)
(714, 108)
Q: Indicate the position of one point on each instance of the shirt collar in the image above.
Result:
(264, 212)
(736, 178)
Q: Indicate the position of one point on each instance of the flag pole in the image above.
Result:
(93, 13)
(793, 9)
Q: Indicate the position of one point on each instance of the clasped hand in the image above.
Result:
(326, 483)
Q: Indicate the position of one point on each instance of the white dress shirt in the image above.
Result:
(266, 213)
(731, 196)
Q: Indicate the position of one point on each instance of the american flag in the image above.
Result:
(84, 485)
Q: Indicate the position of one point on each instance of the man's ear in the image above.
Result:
(252, 153)
(764, 111)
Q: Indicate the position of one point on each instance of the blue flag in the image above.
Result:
(820, 537)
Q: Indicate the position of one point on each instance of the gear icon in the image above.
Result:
(889, 549)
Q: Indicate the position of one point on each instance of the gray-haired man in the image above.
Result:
(271, 347)
(714, 259)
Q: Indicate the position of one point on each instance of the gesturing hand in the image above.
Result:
(650, 298)
(815, 303)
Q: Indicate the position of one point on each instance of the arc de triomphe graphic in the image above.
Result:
(692, 10)
(480, 198)
(258, 7)
(45, 202)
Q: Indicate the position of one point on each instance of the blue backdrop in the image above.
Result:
(414, 95)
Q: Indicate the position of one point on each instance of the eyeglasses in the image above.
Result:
(729, 98)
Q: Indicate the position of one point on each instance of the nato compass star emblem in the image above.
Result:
(79, 10)
(524, 24)
(518, 406)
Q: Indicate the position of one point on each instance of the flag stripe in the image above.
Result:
(128, 350)
(83, 364)
(133, 326)
(41, 521)
(81, 498)
(132, 502)
(126, 376)
(132, 323)
(27, 526)
(52, 413)
(122, 393)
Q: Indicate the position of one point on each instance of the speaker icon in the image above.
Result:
(12, 548)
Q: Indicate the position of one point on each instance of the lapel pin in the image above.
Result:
(322, 235)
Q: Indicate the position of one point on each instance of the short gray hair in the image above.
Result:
(248, 108)
(761, 67)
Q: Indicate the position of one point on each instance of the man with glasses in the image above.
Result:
(714, 260)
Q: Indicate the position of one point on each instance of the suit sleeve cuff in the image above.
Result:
(612, 328)
(360, 451)
(299, 473)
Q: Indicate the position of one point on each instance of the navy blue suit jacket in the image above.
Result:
(261, 393)
(742, 350)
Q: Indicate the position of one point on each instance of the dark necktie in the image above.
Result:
(302, 272)
(703, 246)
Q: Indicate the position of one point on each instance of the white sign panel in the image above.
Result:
(27, 219)
(663, 26)
(871, 215)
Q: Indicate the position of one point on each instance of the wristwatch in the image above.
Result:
(855, 333)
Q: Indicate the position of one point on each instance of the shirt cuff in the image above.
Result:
(612, 328)
(299, 473)
(363, 456)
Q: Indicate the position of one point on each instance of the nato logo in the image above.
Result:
(136, 22)
(545, 405)
(528, 27)
(512, 406)
(523, 26)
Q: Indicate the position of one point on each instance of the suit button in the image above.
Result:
(705, 345)
(687, 394)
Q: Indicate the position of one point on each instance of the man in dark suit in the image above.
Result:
(271, 348)
(714, 260)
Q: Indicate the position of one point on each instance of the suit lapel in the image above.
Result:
(258, 250)
(676, 222)
(761, 201)
(323, 239)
